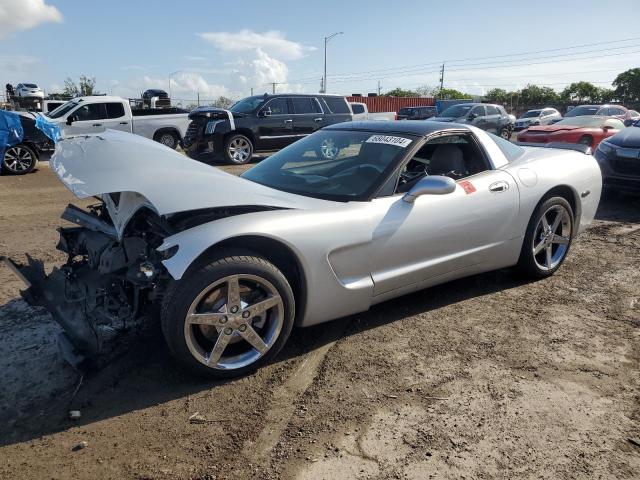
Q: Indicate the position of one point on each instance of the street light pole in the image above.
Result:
(170, 75)
(326, 40)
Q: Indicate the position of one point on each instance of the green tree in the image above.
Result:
(497, 95)
(581, 92)
(427, 91)
(84, 87)
(535, 95)
(399, 92)
(451, 94)
(627, 85)
(223, 102)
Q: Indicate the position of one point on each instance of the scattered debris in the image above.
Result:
(83, 444)
(634, 441)
(197, 418)
(75, 415)
(390, 396)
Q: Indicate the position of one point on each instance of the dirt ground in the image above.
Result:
(486, 377)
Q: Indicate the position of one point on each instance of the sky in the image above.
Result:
(228, 48)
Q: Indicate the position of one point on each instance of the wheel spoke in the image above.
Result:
(549, 256)
(213, 318)
(261, 307)
(560, 240)
(538, 248)
(233, 293)
(218, 348)
(254, 339)
(545, 223)
(556, 222)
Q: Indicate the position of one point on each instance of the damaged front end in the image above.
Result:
(107, 285)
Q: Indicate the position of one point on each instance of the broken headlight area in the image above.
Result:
(107, 286)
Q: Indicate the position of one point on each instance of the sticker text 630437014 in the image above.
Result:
(389, 140)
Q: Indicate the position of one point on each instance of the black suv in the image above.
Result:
(163, 98)
(261, 123)
(416, 113)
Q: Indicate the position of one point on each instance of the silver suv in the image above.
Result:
(541, 116)
(489, 117)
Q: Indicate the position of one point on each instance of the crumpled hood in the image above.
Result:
(115, 161)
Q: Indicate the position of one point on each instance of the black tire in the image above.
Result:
(19, 160)
(527, 263)
(586, 140)
(167, 138)
(238, 149)
(505, 134)
(180, 297)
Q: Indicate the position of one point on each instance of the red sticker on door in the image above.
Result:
(467, 186)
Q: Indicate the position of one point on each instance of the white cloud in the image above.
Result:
(272, 42)
(184, 86)
(267, 69)
(18, 15)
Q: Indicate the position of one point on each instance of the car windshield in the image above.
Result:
(456, 111)
(247, 105)
(583, 121)
(584, 110)
(406, 111)
(62, 109)
(531, 114)
(31, 85)
(336, 165)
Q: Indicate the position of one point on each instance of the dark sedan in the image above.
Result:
(619, 160)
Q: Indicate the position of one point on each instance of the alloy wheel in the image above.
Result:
(234, 322)
(505, 134)
(328, 149)
(168, 140)
(18, 159)
(239, 150)
(552, 237)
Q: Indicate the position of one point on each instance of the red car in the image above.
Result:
(587, 130)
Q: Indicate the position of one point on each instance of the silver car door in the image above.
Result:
(438, 234)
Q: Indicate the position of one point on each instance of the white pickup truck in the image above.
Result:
(100, 112)
(360, 111)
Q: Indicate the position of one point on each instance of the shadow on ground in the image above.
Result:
(144, 374)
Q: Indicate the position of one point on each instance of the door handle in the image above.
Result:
(288, 121)
(97, 125)
(317, 119)
(500, 186)
(124, 123)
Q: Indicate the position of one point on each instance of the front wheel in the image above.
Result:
(586, 140)
(238, 149)
(228, 317)
(168, 139)
(547, 239)
(505, 133)
(19, 160)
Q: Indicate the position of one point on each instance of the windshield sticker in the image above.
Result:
(389, 140)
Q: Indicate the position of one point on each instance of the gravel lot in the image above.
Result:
(486, 377)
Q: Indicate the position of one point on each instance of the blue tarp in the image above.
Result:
(11, 131)
(50, 129)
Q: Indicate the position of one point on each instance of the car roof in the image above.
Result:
(409, 127)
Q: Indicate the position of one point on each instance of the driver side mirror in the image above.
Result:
(472, 116)
(430, 185)
(71, 119)
(265, 112)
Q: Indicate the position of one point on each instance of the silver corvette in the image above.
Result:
(350, 216)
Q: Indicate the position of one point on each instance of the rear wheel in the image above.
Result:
(505, 133)
(228, 317)
(18, 160)
(238, 149)
(547, 239)
(168, 139)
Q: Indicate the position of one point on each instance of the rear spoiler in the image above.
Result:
(578, 147)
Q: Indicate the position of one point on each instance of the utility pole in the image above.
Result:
(198, 93)
(274, 86)
(252, 91)
(170, 75)
(326, 40)
(379, 88)
(442, 76)
(322, 85)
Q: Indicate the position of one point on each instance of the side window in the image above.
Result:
(337, 104)
(491, 110)
(357, 108)
(455, 156)
(278, 106)
(303, 105)
(92, 111)
(115, 110)
(478, 111)
(603, 111)
(616, 111)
